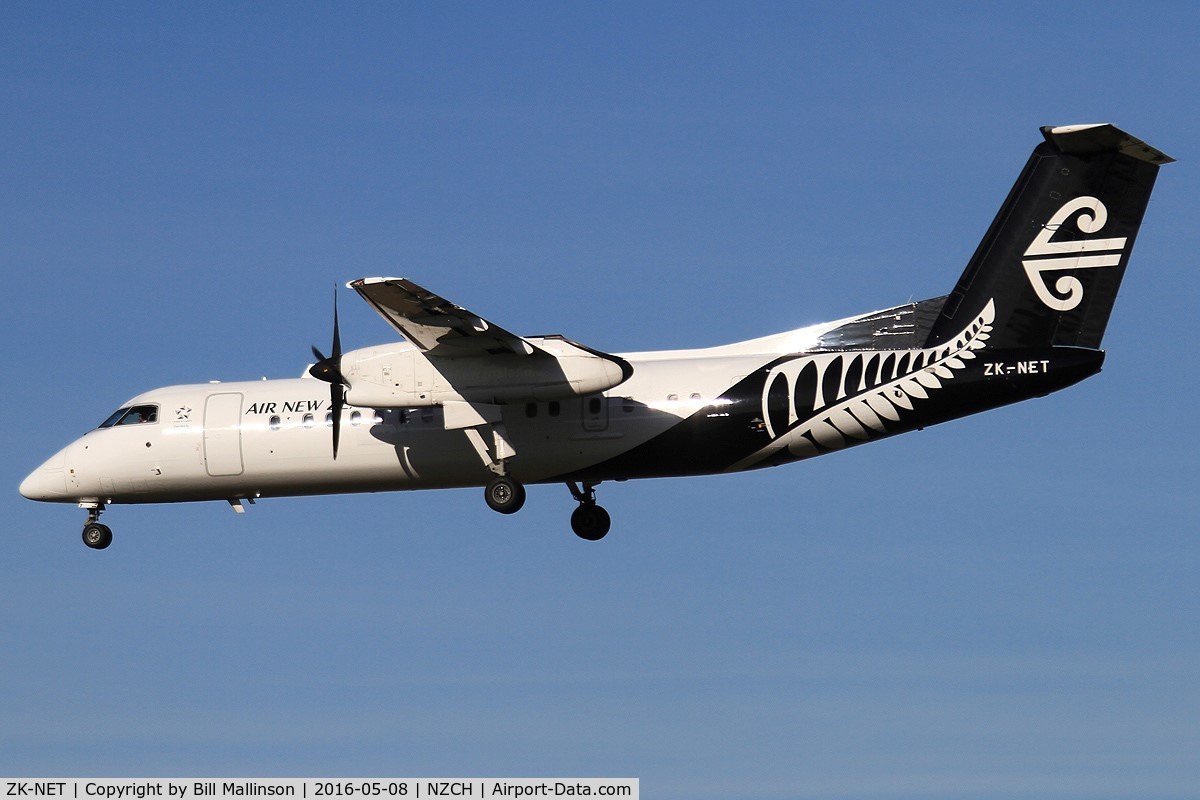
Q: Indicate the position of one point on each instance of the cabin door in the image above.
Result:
(223, 434)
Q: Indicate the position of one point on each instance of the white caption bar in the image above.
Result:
(305, 788)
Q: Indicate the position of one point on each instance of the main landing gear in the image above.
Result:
(505, 495)
(589, 521)
(96, 535)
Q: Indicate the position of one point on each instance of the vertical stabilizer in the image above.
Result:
(1054, 257)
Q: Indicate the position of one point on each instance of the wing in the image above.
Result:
(434, 324)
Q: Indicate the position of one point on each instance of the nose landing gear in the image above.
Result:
(96, 535)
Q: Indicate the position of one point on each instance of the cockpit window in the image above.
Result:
(132, 415)
(116, 415)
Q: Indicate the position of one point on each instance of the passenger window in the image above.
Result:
(308, 420)
(531, 410)
(355, 417)
(274, 423)
(555, 409)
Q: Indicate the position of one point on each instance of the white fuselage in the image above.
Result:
(269, 438)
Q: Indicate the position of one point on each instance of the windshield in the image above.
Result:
(131, 415)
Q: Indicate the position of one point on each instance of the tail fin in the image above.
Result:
(1053, 258)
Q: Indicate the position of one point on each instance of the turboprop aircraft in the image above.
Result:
(463, 402)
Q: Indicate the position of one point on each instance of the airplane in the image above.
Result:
(462, 402)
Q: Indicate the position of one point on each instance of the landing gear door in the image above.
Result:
(223, 434)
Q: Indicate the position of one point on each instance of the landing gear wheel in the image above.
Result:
(590, 522)
(504, 495)
(97, 536)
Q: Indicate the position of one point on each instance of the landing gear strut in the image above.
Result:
(589, 521)
(96, 535)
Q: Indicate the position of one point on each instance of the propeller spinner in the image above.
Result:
(330, 371)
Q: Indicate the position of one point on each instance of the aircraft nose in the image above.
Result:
(49, 481)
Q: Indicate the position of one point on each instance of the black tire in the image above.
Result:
(97, 536)
(504, 495)
(590, 522)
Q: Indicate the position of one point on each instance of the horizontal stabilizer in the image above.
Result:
(1103, 138)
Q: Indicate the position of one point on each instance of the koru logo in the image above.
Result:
(1045, 255)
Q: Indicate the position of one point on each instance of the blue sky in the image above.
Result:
(1001, 606)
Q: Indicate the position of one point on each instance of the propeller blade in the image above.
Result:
(337, 400)
(337, 337)
(330, 370)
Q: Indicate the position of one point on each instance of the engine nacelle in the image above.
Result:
(401, 376)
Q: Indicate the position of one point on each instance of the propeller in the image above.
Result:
(330, 371)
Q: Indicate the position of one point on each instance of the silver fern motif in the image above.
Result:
(835, 399)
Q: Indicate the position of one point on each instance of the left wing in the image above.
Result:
(434, 324)
(481, 362)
